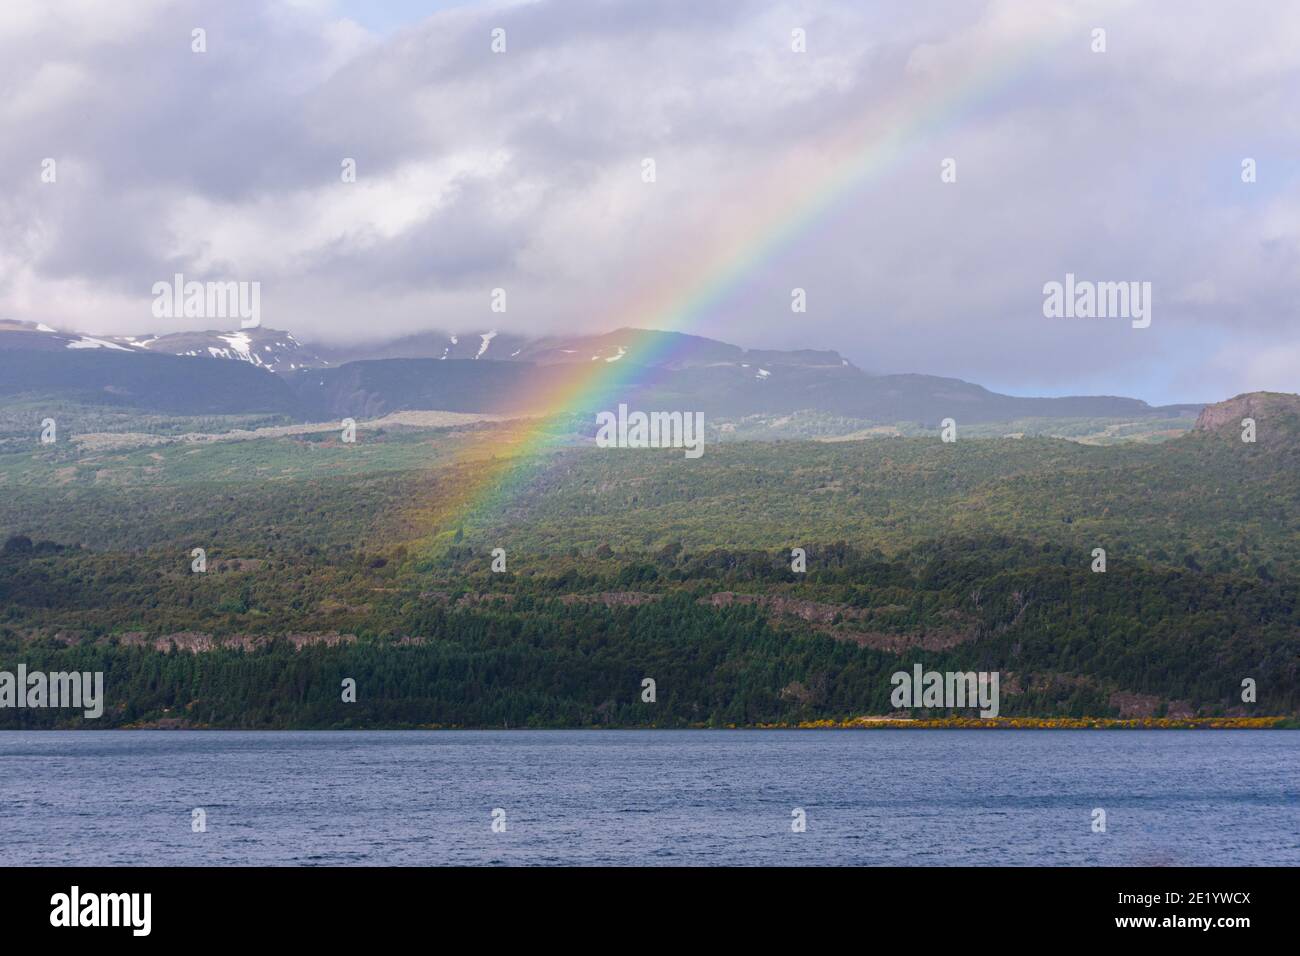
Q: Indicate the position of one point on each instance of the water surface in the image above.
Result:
(651, 797)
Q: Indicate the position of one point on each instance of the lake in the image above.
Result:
(868, 797)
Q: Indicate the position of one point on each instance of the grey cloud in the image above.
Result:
(1115, 166)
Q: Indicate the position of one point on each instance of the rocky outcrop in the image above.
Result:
(1264, 407)
(197, 642)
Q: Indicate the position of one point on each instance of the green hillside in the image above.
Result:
(329, 560)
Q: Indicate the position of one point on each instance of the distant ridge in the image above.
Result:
(499, 373)
(272, 349)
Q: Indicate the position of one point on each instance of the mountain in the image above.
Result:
(31, 336)
(1279, 410)
(141, 381)
(375, 387)
(721, 390)
(672, 350)
(270, 349)
(666, 370)
(279, 351)
(505, 373)
(652, 348)
(1271, 442)
(432, 345)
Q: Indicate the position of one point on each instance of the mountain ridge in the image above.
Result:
(502, 373)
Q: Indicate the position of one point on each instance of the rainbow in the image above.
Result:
(797, 194)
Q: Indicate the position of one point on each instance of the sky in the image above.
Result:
(774, 169)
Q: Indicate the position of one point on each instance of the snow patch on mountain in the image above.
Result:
(242, 345)
(90, 342)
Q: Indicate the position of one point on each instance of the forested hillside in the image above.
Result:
(327, 560)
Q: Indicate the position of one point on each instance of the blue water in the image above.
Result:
(651, 797)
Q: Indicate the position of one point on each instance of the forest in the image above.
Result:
(325, 563)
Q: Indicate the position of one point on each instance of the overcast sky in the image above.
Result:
(774, 169)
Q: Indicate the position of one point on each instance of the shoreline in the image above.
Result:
(855, 723)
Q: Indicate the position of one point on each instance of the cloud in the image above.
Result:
(775, 169)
